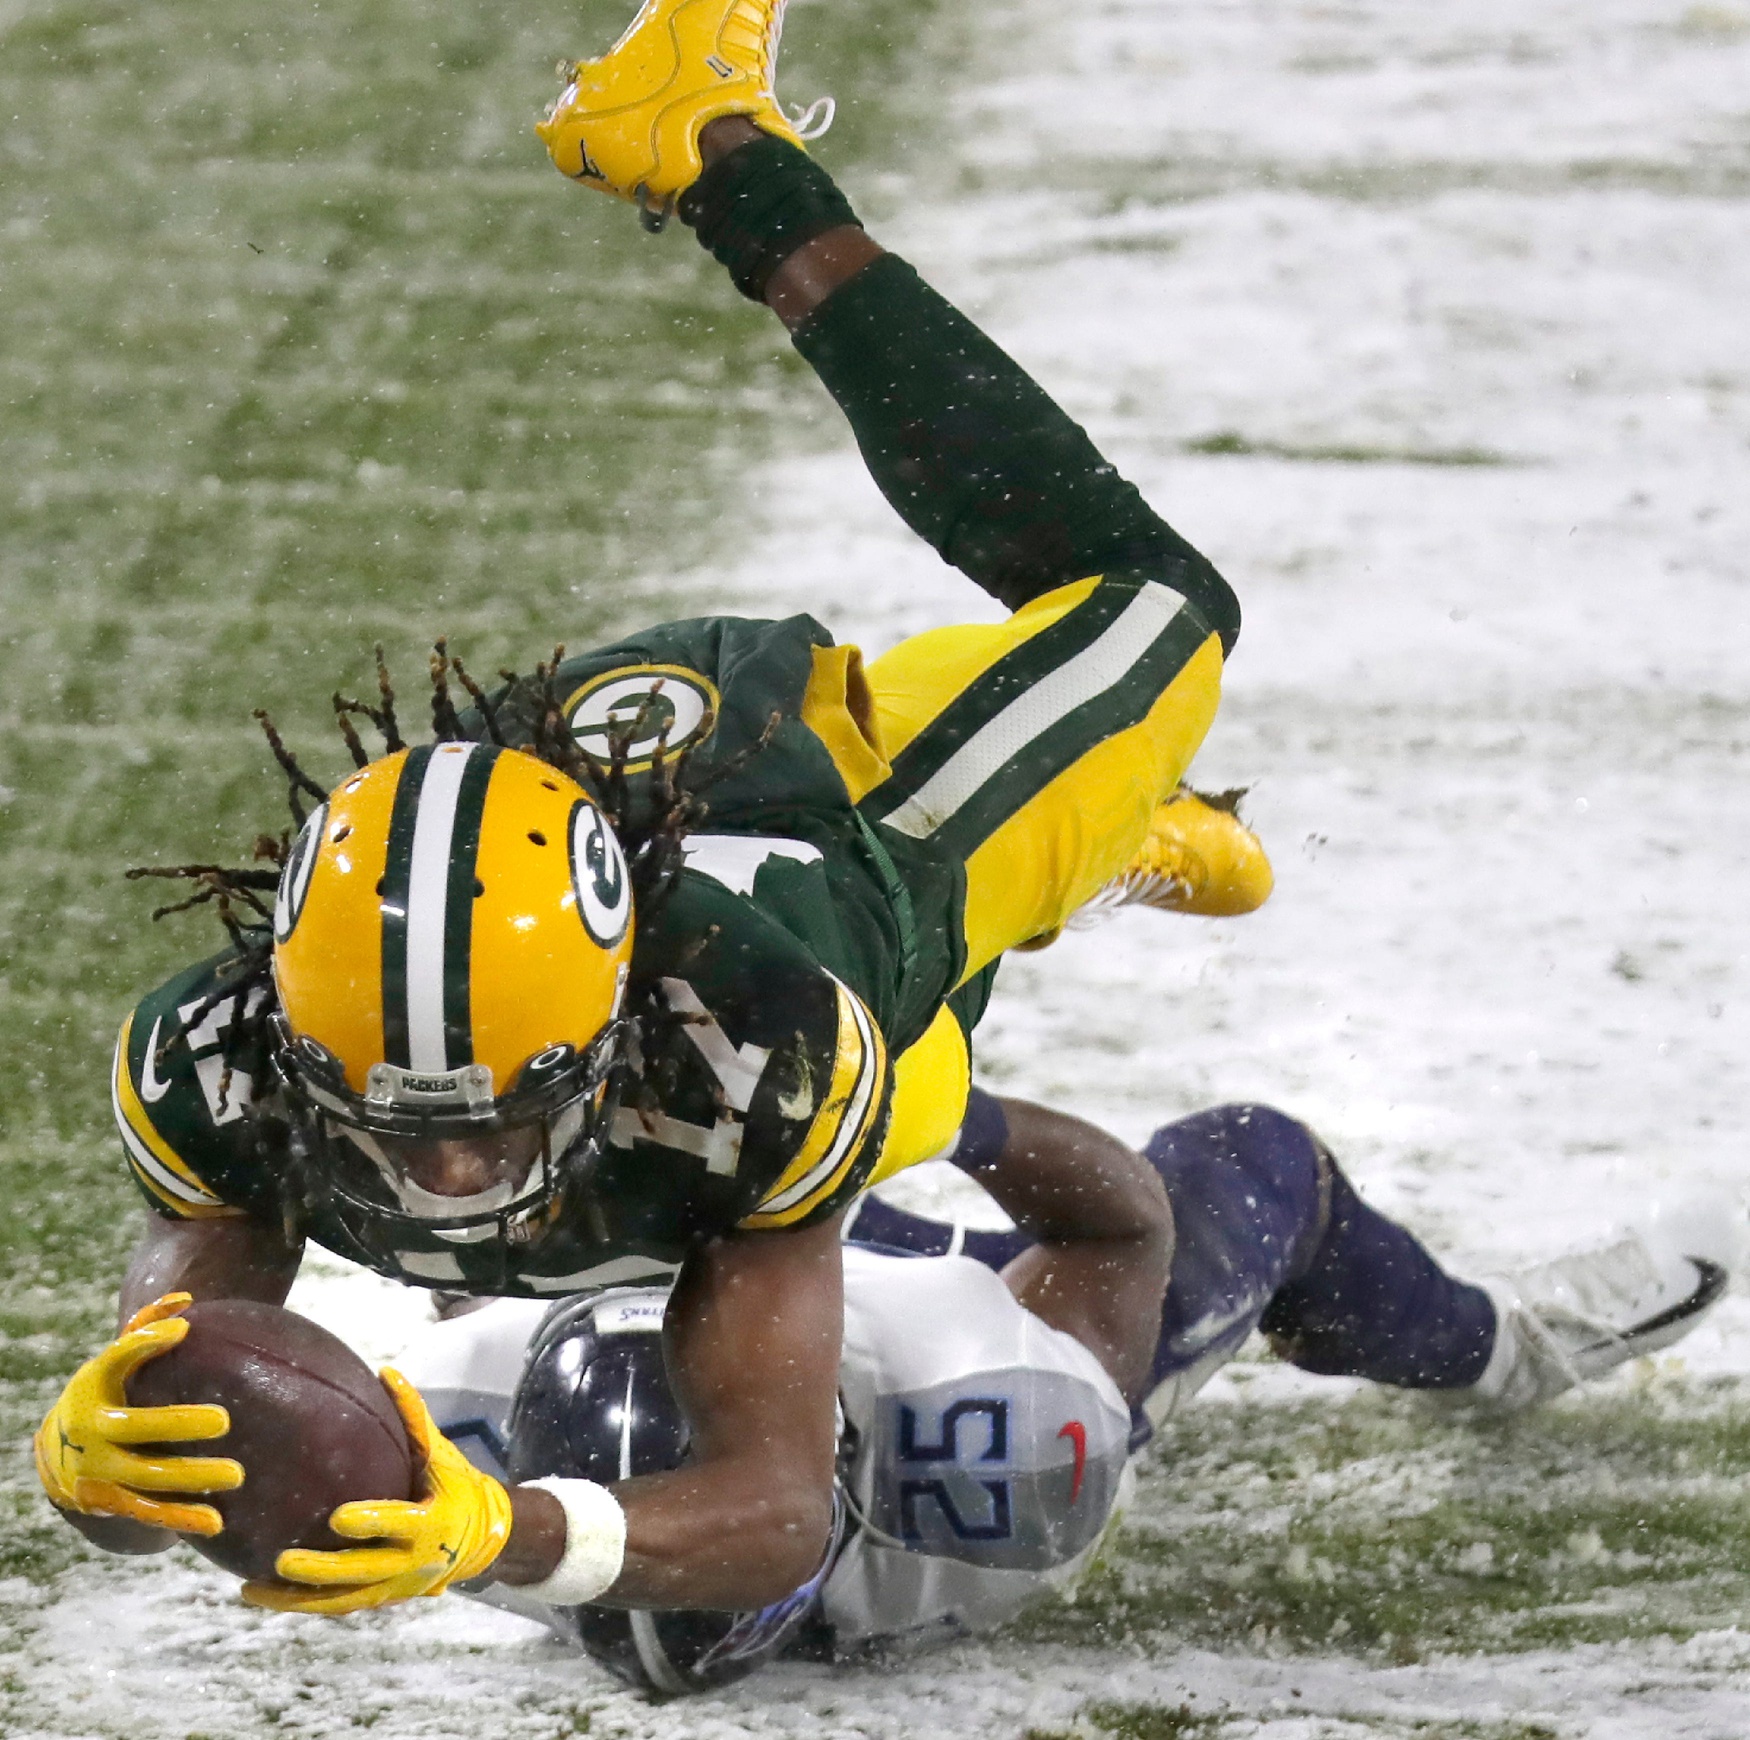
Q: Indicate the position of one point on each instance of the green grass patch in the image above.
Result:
(1121, 1721)
(1379, 1526)
(305, 345)
(1229, 444)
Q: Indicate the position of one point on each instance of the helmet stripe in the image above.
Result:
(428, 905)
(396, 874)
(459, 906)
(437, 862)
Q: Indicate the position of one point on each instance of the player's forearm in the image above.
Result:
(729, 1536)
(1105, 1232)
(1107, 1297)
(752, 1340)
(733, 1537)
(1067, 1181)
(229, 1257)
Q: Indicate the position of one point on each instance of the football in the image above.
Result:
(310, 1422)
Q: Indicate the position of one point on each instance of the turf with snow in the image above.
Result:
(1432, 329)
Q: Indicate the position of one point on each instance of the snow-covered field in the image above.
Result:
(1432, 327)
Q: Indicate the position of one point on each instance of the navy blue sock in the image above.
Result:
(984, 1132)
(1372, 1302)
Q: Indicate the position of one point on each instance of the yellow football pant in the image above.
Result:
(1039, 749)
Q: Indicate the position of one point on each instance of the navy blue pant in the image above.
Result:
(1271, 1236)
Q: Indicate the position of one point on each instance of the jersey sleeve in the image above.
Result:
(181, 1095)
(168, 1182)
(759, 1081)
(846, 1119)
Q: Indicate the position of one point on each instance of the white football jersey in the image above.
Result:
(989, 1450)
(468, 1368)
(986, 1453)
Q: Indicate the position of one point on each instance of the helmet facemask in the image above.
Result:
(358, 1148)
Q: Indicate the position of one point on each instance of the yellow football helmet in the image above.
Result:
(452, 937)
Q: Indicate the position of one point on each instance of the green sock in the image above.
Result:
(978, 459)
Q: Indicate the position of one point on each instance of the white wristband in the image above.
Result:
(595, 1544)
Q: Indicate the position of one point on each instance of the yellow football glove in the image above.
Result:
(452, 1534)
(81, 1454)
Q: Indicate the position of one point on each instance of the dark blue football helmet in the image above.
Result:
(594, 1403)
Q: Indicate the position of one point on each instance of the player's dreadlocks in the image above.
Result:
(652, 824)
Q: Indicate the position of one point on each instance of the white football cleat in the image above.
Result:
(1577, 1317)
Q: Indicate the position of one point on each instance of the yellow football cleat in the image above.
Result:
(629, 123)
(1199, 858)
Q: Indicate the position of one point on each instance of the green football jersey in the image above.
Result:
(796, 954)
(875, 907)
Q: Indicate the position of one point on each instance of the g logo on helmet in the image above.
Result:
(599, 875)
(288, 903)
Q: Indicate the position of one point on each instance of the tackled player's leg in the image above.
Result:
(1272, 1236)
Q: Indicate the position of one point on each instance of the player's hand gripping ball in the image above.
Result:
(84, 1448)
(307, 1420)
(454, 1532)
